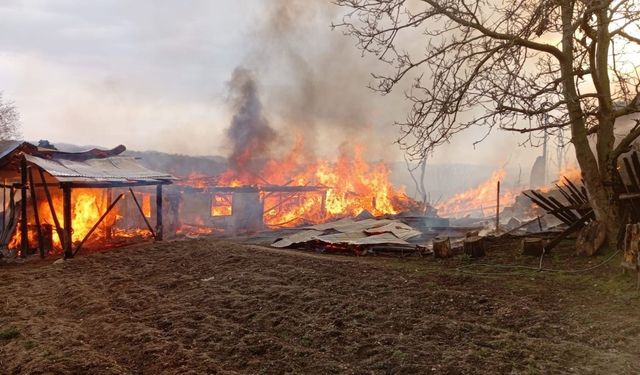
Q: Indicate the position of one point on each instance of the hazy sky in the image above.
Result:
(152, 75)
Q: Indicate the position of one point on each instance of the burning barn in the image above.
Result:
(58, 201)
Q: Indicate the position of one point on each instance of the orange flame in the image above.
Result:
(479, 198)
(88, 205)
(346, 187)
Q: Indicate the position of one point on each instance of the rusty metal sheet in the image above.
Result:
(399, 229)
(296, 238)
(361, 238)
(111, 169)
(349, 225)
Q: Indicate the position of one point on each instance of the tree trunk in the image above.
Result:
(605, 204)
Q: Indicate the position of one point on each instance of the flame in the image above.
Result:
(571, 172)
(221, 204)
(88, 205)
(479, 198)
(345, 187)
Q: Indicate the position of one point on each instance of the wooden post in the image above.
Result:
(498, 208)
(159, 212)
(109, 229)
(12, 199)
(113, 204)
(135, 200)
(23, 205)
(323, 204)
(34, 202)
(54, 215)
(442, 247)
(4, 204)
(66, 215)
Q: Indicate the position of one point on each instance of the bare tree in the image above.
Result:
(9, 120)
(522, 66)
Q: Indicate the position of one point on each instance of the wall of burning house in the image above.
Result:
(206, 211)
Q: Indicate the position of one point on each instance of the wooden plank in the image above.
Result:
(159, 227)
(23, 205)
(142, 213)
(66, 217)
(54, 215)
(631, 174)
(34, 202)
(572, 228)
(567, 211)
(551, 208)
(98, 223)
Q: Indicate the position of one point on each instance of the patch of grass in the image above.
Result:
(28, 345)
(9, 333)
(399, 356)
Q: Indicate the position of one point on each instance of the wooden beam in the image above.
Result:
(159, 228)
(54, 215)
(498, 207)
(98, 223)
(23, 205)
(109, 229)
(66, 217)
(34, 202)
(142, 214)
(572, 228)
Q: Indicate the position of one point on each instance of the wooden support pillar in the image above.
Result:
(323, 204)
(34, 203)
(159, 212)
(498, 207)
(66, 214)
(4, 204)
(109, 229)
(23, 205)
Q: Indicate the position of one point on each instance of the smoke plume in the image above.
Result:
(250, 134)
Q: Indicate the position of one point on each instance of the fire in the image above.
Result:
(345, 187)
(479, 198)
(572, 173)
(88, 205)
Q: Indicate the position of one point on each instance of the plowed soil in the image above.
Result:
(207, 306)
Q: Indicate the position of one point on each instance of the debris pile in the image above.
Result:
(359, 237)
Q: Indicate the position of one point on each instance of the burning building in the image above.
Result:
(58, 201)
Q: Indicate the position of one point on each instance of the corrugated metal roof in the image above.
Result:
(6, 147)
(111, 169)
(350, 232)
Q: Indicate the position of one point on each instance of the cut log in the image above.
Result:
(532, 246)
(442, 247)
(591, 238)
(474, 246)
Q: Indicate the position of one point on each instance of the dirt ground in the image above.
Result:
(208, 306)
